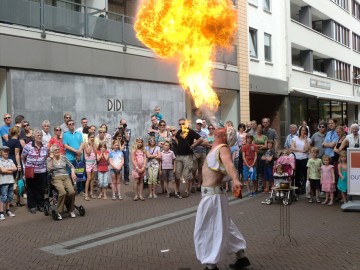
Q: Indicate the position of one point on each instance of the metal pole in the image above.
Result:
(86, 27)
(42, 19)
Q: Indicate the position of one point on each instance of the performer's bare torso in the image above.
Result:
(212, 178)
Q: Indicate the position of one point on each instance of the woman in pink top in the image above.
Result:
(91, 165)
(139, 165)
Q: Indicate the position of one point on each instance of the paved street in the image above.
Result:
(158, 234)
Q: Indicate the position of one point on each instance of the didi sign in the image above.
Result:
(353, 171)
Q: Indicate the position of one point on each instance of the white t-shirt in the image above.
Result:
(300, 144)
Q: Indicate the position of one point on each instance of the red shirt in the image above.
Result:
(250, 151)
(54, 141)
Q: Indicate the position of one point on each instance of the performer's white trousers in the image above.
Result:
(215, 234)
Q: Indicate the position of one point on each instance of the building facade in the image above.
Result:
(83, 57)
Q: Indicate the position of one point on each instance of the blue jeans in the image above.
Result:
(7, 193)
(126, 165)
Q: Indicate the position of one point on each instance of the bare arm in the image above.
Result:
(225, 156)
(197, 142)
(17, 158)
(343, 145)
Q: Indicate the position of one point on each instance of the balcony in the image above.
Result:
(80, 20)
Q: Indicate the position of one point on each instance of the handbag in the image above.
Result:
(19, 187)
(29, 172)
(80, 170)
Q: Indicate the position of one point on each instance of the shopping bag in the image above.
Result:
(80, 170)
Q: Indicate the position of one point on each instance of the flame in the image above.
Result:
(185, 129)
(189, 31)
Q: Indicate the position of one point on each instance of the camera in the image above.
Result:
(124, 125)
(356, 145)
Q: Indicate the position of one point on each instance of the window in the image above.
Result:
(267, 47)
(356, 42)
(253, 2)
(342, 3)
(356, 9)
(342, 71)
(267, 5)
(253, 43)
(356, 75)
(341, 34)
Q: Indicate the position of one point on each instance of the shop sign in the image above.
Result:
(320, 84)
(353, 171)
(115, 105)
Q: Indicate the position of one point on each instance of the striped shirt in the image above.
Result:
(34, 158)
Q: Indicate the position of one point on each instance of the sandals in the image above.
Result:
(100, 195)
(113, 197)
(120, 198)
(86, 198)
(136, 198)
(142, 198)
(92, 196)
(105, 198)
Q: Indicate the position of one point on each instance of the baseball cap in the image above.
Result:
(4, 147)
(198, 121)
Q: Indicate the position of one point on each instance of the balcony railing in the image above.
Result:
(80, 20)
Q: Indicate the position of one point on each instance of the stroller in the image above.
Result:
(282, 189)
(52, 194)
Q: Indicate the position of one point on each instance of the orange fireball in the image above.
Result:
(188, 31)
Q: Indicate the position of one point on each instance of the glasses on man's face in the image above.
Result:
(181, 124)
(67, 117)
(70, 124)
(26, 125)
(211, 128)
(6, 118)
(321, 126)
(57, 129)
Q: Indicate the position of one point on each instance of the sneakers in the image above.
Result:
(240, 263)
(178, 196)
(2, 217)
(155, 196)
(10, 214)
(120, 198)
(168, 195)
(113, 197)
(72, 214)
(59, 217)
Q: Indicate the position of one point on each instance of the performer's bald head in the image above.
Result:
(225, 135)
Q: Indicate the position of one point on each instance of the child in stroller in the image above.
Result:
(283, 172)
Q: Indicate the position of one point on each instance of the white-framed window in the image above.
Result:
(342, 3)
(341, 34)
(267, 5)
(253, 43)
(267, 47)
(253, 2)
(356, 42)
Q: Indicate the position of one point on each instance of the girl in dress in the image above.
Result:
(139, 164)
(327, 180)
(153, 156)
(116, 160)
(91, 166)
(102, 156)
(342, 182)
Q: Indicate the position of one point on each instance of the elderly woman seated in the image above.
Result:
(56, 165)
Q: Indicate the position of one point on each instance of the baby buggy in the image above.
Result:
(50, 205)
(283, 170)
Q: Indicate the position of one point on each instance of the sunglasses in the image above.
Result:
(162, 125)
(71, 124)
(321, 126)
(26, 125)
(57, 129)
(6, 118)
(211, 128)
(181, 124)
(151, 140)
(57, 149)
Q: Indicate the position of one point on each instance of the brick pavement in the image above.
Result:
(327, 238)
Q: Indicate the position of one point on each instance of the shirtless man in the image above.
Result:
(215, 234)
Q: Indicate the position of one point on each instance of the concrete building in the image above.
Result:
(304, 61)
(83, 57)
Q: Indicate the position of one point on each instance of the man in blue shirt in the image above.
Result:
(73, 143)
(331, 139)
(4, 130)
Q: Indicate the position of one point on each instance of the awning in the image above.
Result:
(323, 95)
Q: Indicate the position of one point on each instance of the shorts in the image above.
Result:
(7, 192)
(113, 171)
(103, 179)
(198, 161)
(136, 174)
(249, 175)
(268, 174)
(184, 165)
(168, 175)
(314, 184)
(91, 165)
